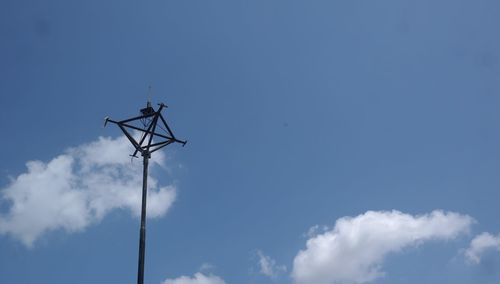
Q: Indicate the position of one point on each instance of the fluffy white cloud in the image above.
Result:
(78, 188)
(268, 266)
(354, 250)
(480, 244)
(198, 278)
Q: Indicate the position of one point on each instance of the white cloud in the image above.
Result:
(480, 244)
(268, 266)
(315, 230)
(354, 250)
(78, 188)
(198, 278)
(207, 267)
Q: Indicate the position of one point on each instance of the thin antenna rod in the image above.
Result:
(149, 94)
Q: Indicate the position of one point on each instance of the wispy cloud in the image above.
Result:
(205, 267)
(315, 230)
(268, 266)
(354, 250)
(480, 245)
(77, 189)
(198, 278)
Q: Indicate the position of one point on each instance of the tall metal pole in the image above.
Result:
(148, 122)
(142, 238)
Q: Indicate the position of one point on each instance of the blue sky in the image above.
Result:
(298, 114)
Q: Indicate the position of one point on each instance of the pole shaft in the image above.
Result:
(142, 238)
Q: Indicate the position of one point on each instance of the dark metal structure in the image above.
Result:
(154, 135)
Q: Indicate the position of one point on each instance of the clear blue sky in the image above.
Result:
(297, 113)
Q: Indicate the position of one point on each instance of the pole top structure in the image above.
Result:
(155, 132)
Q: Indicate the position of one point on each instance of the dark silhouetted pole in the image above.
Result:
(146, 125)
(142, 238)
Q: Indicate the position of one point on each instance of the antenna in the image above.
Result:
(150, 93)
(152, 139)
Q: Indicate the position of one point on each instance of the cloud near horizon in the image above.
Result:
(354, 250)
(480, 245)
(268, 266)
(78, 188)
(198, 278)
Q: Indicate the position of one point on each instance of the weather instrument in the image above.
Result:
(154, 134)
